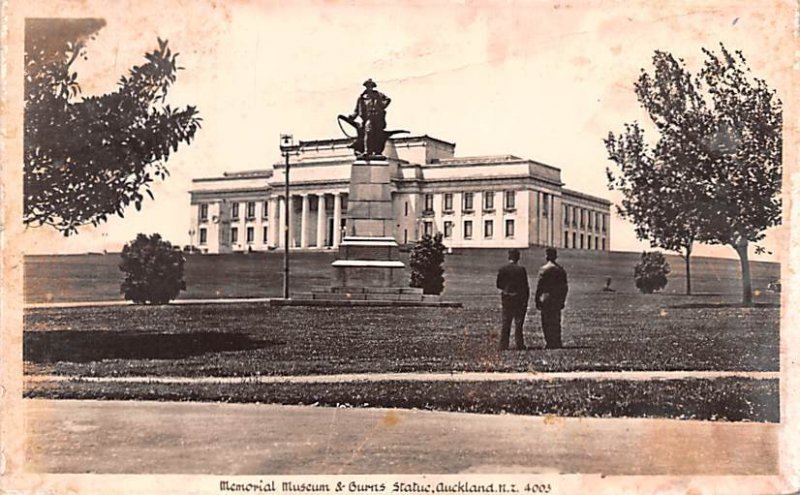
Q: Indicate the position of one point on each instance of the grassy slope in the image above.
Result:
(469, 274)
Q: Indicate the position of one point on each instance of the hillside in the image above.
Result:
(469, 274)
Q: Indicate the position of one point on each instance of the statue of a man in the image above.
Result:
(371, 109)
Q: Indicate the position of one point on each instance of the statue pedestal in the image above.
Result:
(368, 254)
(368, 270)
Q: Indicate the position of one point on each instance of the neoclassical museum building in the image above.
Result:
(497, 201)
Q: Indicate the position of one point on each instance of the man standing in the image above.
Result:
(512, 280)
(551, 293)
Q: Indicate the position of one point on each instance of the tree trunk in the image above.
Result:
(688, 270)
(747, 286)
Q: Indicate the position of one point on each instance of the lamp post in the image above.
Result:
(288, 148)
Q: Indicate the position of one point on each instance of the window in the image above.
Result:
(467, 205)
(251, 210)
(511, 200)
(583, 219)
(581, 241)
(566, 215)
(250, 232)
(467, 229)
(574, 219)
(596, 242)
(574, 244)
(566, 239)
(545, 201)
(604, 244)
(234, 235)
(235, 211)
(448, 230)
(203, 212)
(406, 208)
(265, 210)
(509, 228)
(604, 223)
(265, 233)
(597, 222)
(405, 234)
(428, 203)
(589, 220)
(488, 201)
(488, 229)
(428, 228)
(203, 236)
(448, 202)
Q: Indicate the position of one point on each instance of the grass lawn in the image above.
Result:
(621, 330)
(609, 332)
(725, 399)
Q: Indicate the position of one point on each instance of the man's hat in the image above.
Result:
(550, 253)
(369, 83)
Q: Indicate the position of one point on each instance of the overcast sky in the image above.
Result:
(540, 80)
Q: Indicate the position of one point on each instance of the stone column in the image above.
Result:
(274, 222)
(304, 222)
(337, 219)
(281, 220)
(290, 212)
(320, 220)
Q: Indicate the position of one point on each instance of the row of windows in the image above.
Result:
(468, 201)
(250, 210)
(593, 220)
(250, 235)
(488, 229)
(585, 242)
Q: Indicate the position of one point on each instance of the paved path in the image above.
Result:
(227, 439)
(421, 377)
(87, 304)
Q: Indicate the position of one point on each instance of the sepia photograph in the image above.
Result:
(399, 247)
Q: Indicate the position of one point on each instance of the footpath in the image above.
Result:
(419, 377)
(78, 436)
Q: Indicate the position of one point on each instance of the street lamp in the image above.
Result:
(288, 148)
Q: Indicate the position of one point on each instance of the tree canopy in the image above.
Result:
(90, 157)
(715, 174)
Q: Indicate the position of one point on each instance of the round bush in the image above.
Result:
(153, 270)
(651, 273)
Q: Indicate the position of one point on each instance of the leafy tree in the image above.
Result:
(659, 186)
(714, 175)
(91, 157)
(427, 257)
(153, 270)
(743, 148)
(650, 274)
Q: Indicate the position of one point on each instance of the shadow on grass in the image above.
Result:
(723, 305)
(83, 347)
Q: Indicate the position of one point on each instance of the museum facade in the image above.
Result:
(475, 202)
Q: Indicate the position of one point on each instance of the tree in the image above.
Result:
(650, 274)
(88, 158)
(714, 175)
(427, 257)
(743, 148)
(659, 184)
(153, 270)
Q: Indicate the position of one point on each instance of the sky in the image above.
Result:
(541, 80)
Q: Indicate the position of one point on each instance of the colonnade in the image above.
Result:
(302, 235)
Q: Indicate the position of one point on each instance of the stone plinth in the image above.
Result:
(368, 270)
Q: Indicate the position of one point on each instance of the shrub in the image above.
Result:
(651, 273)
(153, 270)
(427, 257)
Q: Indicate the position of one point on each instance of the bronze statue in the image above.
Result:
(371, 130)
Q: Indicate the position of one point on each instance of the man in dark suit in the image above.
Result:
(551, 293)
(512, 280)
